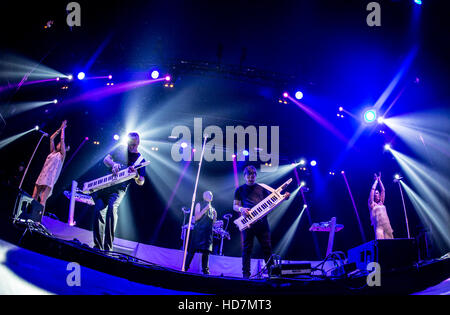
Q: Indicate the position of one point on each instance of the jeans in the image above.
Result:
(105, 221)
(262, 233)
(205, 260)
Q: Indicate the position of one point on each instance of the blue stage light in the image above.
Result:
(370, 116)
(298, 95)
(419, 2)
(245, 152)
(116, 137)
(155, 74)
(81, 75)
(313, 163)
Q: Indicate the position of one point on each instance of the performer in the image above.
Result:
(202, 235)
(246, 197)
(52, 167)
(108, 200)
(378, 214)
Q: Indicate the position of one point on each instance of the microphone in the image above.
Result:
(45, 134)
(37, 129)
(397, 178)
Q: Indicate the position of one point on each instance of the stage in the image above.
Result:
(41, 264)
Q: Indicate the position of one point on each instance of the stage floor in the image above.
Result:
(24, 272)
(43, 264)
(166, 257)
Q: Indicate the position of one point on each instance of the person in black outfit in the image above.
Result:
(246, 197)
(202, 235)
(108, 200)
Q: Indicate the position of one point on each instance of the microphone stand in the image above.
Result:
(192, 206)
(32, 156)
(397, 180)
(25, 173)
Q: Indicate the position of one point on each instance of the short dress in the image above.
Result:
(202, 238)
(51, 170)
(379, 218)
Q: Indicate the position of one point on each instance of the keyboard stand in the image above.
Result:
(330, 227)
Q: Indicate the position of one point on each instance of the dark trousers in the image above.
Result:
(205, 260)
(105, 221)
(262, 233)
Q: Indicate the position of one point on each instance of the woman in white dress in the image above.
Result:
(378, 214)
(52, 167)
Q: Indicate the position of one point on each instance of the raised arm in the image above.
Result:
(372, 192)
(383, 192)
(63, 144)
(52, 140)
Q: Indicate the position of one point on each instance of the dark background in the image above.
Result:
(323, 48)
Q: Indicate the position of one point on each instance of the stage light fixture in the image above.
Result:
(245, 153)
(380, 120)
(155, 75)
(36, 128)
(116, 137)
(168, 78)
(313, 163)
(183, 145)
(81, 75)
(397, 176)
(419, 2)
(110, 77)
(302, 162)
(341, 108)
(387, 146)
(285, 94)
(370, 115)
(70, 77)
(298, 95)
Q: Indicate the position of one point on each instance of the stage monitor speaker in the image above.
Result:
(390, 254)
(27, 208)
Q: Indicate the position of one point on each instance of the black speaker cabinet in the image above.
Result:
(27, 208)
(390, 254)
